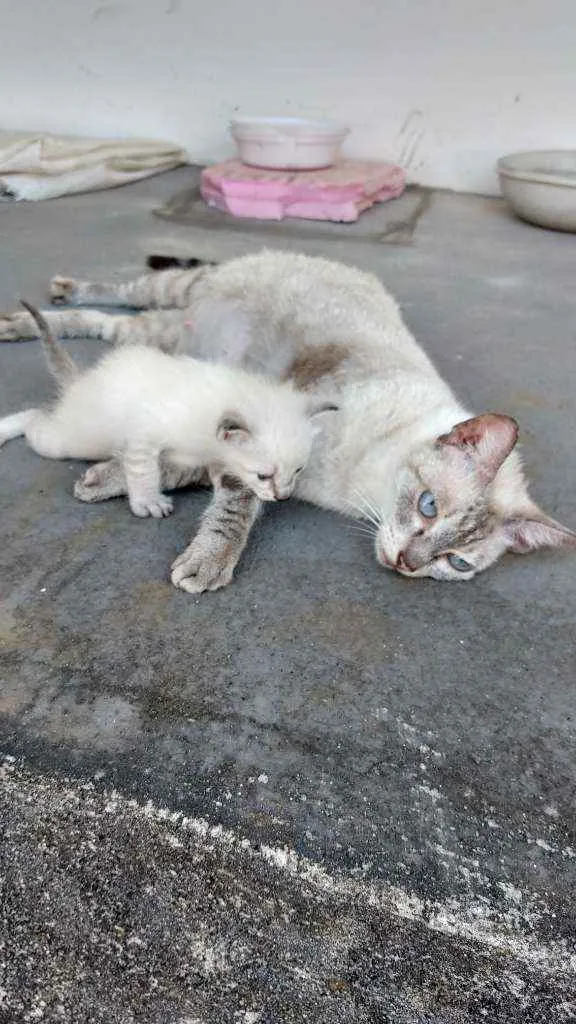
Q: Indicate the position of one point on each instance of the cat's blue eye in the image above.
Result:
(460, 564)
(427, 505)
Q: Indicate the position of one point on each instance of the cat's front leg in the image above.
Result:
(208, 563)
(69, 323)
(142, 470)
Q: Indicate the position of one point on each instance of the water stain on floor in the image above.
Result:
(356, 631)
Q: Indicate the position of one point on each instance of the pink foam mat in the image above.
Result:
(338, 193)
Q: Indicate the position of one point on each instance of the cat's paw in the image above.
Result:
(204, 566)
(62, 291)
(158, 507)
(17, 327)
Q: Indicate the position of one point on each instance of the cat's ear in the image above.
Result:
(530, 529)
(487, 439)
(233, 428)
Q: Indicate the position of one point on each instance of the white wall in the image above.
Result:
(444, 86)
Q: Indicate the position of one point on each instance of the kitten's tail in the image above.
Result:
(61, 365)
(159, 262)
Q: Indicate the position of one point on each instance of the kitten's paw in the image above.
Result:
(17, 327)
(62, 291)
(204, 566)
(157, 507)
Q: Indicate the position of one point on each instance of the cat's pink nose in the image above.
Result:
(402, 563)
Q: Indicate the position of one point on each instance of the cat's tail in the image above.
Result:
(16, 424)
(159, 262)
(60, 363)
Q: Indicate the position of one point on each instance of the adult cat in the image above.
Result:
(444, 490)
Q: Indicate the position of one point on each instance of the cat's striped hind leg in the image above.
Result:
(167, 289)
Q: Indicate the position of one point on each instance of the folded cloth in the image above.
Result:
(34, 165)
(338, 193)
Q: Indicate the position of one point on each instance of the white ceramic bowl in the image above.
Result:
(540, 186)
(288, 143)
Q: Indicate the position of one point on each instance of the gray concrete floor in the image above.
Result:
(387, 766)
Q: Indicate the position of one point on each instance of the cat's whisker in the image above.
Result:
(361, 516)
(367, 503)
(366, 509)
(358, 528)
(363, 527)
(358, 510)
(369, 519)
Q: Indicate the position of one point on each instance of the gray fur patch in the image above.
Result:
(314, 363)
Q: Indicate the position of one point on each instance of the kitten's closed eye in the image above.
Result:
(265, 476)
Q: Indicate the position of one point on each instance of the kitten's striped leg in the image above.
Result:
(208, 563)
(167, 289)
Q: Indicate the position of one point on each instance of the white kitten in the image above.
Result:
(139, 403)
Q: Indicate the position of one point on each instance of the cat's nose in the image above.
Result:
(403, 563)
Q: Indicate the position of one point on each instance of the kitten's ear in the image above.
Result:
(233, 428)
(531, 529)
(488, 439)
(315, 410)
(319, 406)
